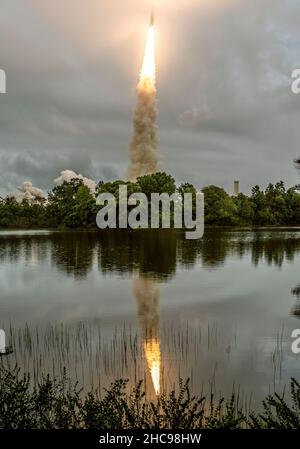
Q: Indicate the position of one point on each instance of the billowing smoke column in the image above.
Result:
(147, 295)
(143, 148)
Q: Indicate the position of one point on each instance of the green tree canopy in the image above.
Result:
(157, 183)
(71, 204)
(219, 208)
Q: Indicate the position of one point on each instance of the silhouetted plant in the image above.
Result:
(59, 404)
(277, 413)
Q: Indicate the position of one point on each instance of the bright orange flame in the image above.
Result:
(148, 72)
(152, 352)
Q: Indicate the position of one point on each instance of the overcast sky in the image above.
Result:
(226, 110)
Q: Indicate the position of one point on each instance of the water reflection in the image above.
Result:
(73, 253)
(296, 309)
(215, 305)
(153, 253)
(146, 292)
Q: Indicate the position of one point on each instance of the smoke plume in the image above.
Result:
(143, 148)
(27, 192)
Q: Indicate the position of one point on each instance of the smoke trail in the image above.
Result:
(146, 293)
(143, 148)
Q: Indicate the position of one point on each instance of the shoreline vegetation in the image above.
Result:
(60, 404)
(72, 205)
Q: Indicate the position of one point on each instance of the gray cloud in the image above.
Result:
(225, 106)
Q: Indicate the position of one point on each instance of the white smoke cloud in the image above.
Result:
(68, 175)
(27, 192)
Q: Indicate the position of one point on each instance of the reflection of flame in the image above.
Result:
(147, 295)
(152, 352)
(148, 72)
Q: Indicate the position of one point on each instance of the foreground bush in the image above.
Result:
(58, 404)
(277, 413)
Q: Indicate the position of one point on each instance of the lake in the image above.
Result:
(151, 305)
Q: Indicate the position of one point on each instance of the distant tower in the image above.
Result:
(236, 188)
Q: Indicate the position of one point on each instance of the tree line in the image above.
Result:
(72, 205)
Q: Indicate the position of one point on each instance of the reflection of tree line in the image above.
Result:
(154, 253)
(271, 249)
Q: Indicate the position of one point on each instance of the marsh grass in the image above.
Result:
(92, 356)
(94, 359)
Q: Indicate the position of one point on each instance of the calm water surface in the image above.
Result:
(153, 306)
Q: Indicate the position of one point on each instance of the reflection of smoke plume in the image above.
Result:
(68, 175)
(143, 147)
(27, 192)
(147, 296)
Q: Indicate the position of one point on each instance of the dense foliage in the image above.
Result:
(59, 404)
(277, 412)
(72, 205)
(274, 206)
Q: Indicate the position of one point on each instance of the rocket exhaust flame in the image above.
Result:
(148, 72)
(143, 149)
(147, 296)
